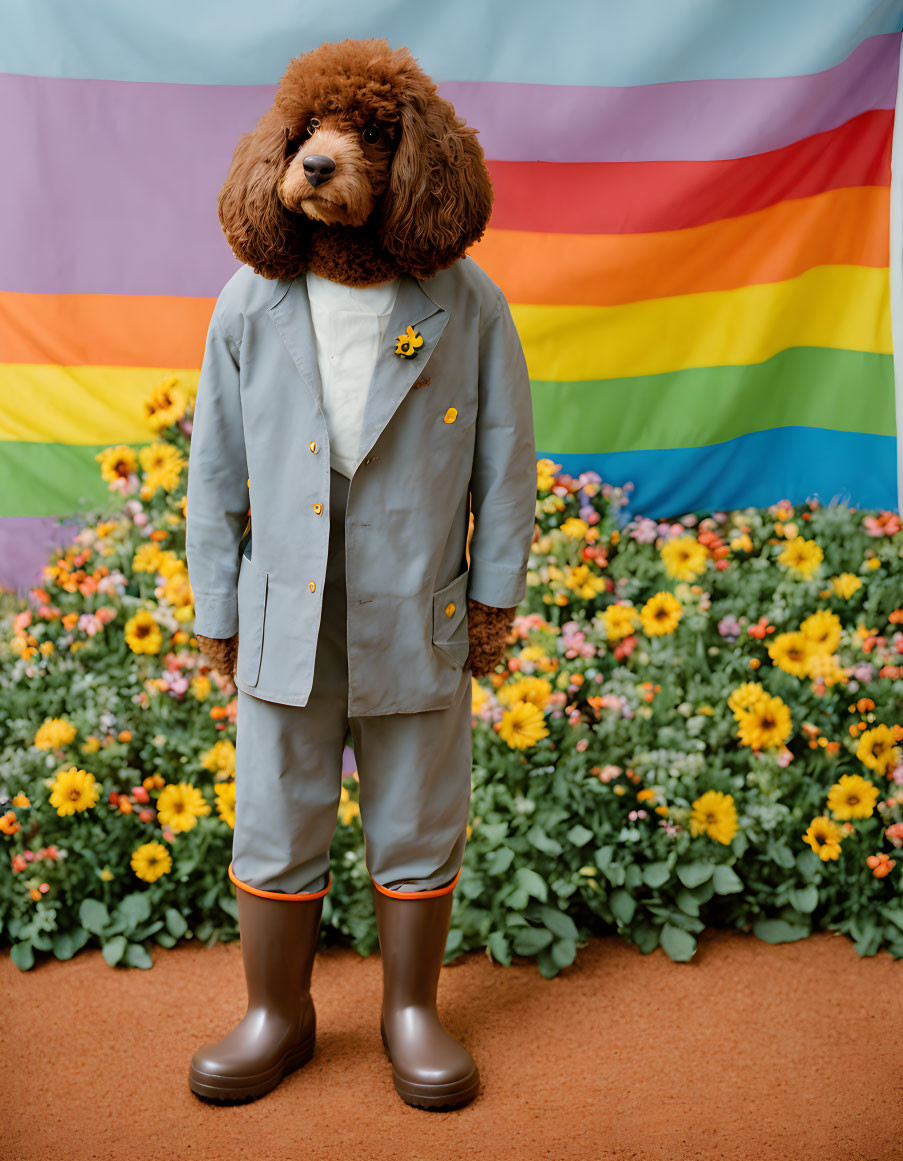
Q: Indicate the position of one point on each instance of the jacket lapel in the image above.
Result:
(395, 375)
(291, 315)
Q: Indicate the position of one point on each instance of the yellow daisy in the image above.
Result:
(744, 697)
(225, 802)
(166, 404)
(846, 584)
(201, 686)
(877, 750)
(180, 805)
(177, 591)
(852, 796)
(714, 814)
(583, 581)
(826, 667)
(620, 621)
(146, 557)
(791, 652)
(660, 614)
(348, 809)
(54, 733)
(545, 474)
(824, 837)
(150, 861)
(522, 726)
(220, 759)
(802, 556)
(575, 528)
(117, 463)
(535, 690)
(684, 557)
(143, 634)
(766, 724)
(823, 630)
(74, 790)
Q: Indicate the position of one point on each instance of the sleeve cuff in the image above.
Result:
(495, 585)
(216, 617)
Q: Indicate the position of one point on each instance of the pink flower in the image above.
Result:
(582, 744)
(90, 623)
(608, 773)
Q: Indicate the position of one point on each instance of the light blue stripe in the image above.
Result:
(792, 463)
(581, 42)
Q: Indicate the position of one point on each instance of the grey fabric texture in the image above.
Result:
(463, 440)
(414, 769)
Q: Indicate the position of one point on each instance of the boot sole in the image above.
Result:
(235, 1090)
(434, 1096)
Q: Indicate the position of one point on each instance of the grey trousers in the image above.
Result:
(414, 770)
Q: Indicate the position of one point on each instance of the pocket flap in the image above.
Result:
(450, 607)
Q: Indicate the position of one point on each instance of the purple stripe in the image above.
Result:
(26, 545)
(111, 186)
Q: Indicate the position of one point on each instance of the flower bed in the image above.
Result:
(699, 724)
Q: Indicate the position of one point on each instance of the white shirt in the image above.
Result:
(350, 323)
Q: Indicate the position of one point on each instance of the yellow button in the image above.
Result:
(451, 415)
(449, 608)
(311, 585)
(318, 508)
(313, 445)
(249, 481)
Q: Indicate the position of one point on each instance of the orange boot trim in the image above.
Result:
(279, 894)
(419, 894)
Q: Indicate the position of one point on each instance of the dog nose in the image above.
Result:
(318, 168)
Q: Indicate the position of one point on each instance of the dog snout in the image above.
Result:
(318, 168)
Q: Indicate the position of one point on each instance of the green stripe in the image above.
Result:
(801, 387)
(52, 479)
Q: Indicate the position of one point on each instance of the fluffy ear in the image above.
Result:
(439, 197)
(271, 239)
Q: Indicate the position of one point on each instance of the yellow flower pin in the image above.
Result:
(407, 344)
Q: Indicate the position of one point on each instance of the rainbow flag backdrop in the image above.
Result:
(693, 224)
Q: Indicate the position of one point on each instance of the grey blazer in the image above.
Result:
(461, 439)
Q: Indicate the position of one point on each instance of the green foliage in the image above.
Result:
(612, 791)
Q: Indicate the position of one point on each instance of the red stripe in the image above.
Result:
(635, 197)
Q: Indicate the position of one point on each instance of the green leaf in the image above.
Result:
(138, 957)
(779, 931)
(726, 880)
(531, 940)
(499, 947)
(532, 883)
(67, 943)
(656, 874)
(578, 835)
(894, 914)
(693, 874)
(114, 949)
(165, 939)
(518, 898)
(538, 838)
(645, 937)
(687, 902)
(805, 899)
(563, 952)
(623, 906)
(492, 832)
(134, 909)
(22, 955)
(175, 923)
(558, 922)
(93, 915)
(781, 854)
(678, 945)
(229, 904)
(499, 861)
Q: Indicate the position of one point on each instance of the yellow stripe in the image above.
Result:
(79, 405)
(828, 306)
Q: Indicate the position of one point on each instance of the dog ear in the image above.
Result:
(439, 197)
(262, 232)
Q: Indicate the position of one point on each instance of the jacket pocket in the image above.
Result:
(450, 619)
(252, 599)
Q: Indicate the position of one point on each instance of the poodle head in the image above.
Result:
(357, 137)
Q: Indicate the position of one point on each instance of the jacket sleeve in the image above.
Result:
(503, 478)
(217, 489)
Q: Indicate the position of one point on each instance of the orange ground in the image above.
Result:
(751, 1053)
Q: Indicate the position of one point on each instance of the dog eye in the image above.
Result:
(312, 126)
(370, 134)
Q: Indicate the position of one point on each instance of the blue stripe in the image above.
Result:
(755, 470)
(584, 42)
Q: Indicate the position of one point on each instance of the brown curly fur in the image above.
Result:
(411, 202)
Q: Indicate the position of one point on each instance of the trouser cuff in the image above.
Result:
(449, 887)
(284, 895)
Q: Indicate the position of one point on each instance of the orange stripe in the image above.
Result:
(282, 895)
(838, 228)
(418, 894)
(107, 330)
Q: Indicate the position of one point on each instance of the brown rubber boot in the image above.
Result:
(277, 1033)
(431, 1070)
